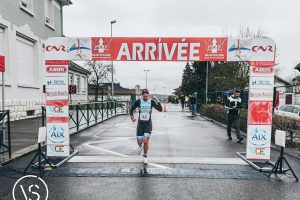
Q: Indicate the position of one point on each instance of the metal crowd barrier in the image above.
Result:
(85, 115)
(5, 138)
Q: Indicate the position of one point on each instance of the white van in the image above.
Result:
(289, 111)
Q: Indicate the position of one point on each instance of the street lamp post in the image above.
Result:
(112, 62)
(206, 85)
(146, 70)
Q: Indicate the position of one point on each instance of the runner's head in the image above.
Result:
(145, 94)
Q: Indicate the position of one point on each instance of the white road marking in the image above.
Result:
(155, 160)
(106, 150)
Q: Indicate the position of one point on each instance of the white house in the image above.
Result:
(24, 27)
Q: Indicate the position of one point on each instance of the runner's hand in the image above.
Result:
(133, 119)
(155, 98)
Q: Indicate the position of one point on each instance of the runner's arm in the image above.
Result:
(156, 105)
(135, 105)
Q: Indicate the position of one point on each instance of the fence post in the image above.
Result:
(102, 113)
(96, 113)
(43, 116)
(107, 104)
(8, 134)
(88, 115)
(77, 117)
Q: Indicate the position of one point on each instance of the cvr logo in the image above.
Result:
(55, 48)
(262, 48)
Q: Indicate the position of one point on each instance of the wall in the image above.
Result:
(23, 97)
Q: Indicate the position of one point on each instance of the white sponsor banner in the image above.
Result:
(260, 95)
(56, 48)
(238, 49)
(80, 48)
(259, 141)
(255, 49)
(262, 49)
(56, 93)
(58, 139)
(57, 111)
(53, 81)
(259, 82)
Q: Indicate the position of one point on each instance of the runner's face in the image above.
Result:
(237, 94)
(145, 96)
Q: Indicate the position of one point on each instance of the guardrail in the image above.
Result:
(82, 116)
(5, 138)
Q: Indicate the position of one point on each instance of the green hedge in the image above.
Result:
(290, 125)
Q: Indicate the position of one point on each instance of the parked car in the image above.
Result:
(289, 111)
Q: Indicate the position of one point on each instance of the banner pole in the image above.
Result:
(3, 105)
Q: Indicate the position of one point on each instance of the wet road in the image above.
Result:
(190, 158)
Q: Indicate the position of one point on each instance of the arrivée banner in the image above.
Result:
(259, 52)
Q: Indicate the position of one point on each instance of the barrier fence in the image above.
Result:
(82, 116)
(5, 134)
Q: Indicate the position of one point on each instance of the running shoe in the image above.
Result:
(145, 159)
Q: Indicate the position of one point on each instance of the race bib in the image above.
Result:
(144, 116)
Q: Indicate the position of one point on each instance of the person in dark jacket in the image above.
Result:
(234, 106)
(144, 126)
(193, 102)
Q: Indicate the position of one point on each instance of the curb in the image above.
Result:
(290, 152)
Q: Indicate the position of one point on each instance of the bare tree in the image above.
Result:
(100, 74)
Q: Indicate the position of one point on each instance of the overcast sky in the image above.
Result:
(184, 18)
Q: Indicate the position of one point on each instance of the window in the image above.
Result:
(26, 61)
(71, 79)
(78, 83)
(1, 41)
(27, 5)
(83, 85)
(49, 13)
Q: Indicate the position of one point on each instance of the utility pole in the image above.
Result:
(112, 62)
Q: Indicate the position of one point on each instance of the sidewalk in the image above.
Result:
(23, 135)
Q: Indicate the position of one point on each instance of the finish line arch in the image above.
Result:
(259, 52)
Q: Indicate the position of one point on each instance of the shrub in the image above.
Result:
(291, 126)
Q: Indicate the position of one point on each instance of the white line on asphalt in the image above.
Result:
(124, 138)
(106, 150)
(158, 166)
(155, 160)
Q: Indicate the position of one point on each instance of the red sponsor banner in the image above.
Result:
(262, 63)
(159, 49)
(57, 102)
(260, 112)
(57, 119)
(263, 69)
(57, 62)
(57, 69)
(2, 63)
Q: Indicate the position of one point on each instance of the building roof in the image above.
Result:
(77, 68)
(282, 80)
(118, 89)
(65, 2)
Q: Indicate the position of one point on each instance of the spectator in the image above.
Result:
(182, 99)
(193, 102)
(234, 106)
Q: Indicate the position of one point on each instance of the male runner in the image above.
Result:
(144, 126)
